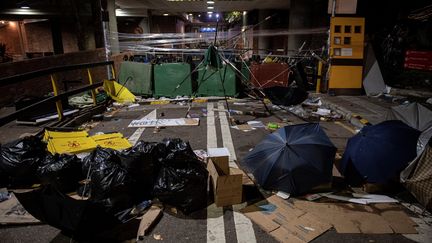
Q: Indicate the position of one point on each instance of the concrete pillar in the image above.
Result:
(300, 17)
(98, 27)
(264, 41)
(144, 24)
(113, 32)
(56, 34)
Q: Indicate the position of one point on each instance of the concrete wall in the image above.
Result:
(9, 35)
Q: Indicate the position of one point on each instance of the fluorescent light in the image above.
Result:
(165, 14)
(210, 7)
(25, 7)
(209, 12)
(190, 14)
(210, 2)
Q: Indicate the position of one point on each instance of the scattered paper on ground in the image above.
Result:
(165, 122)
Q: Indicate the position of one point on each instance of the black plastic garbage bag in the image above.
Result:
(110, 184)
(182, 179)
(286, 96)
(140, 161)
(20, 159)
(63, 171)
(80, 219)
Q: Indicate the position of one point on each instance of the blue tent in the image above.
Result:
(293, 159)
(379, 153)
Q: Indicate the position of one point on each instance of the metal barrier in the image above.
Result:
(57, 95)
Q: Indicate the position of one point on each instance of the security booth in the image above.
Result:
(346, 53)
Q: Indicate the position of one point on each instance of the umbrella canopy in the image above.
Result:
(379, 153)
(79, 218)
(413, 114)
(293, 159)
(419, 182)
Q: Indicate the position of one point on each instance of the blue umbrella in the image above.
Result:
(379, 153)
(293, 159)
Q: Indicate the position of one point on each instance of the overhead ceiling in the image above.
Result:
(201, 5)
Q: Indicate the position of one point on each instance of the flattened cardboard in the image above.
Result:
(228, 188)
(286, 223)
(12, 212)
(357, 218)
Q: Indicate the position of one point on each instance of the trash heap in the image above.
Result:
(109, 184)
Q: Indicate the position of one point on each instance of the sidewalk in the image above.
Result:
(359, 110)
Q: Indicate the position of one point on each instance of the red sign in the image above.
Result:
(421, 60)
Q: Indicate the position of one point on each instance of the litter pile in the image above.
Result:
(109, 186)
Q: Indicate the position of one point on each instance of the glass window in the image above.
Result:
(337, 29)
(347, 40)
(337, 40)
(337, 51)
(357, 29)
(347, 28)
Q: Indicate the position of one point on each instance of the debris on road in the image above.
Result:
(284, 221)
(165, 122)
(148, 220)
(12, 212)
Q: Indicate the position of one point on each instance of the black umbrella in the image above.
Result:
(293, 159)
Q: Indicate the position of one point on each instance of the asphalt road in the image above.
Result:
(200, 226)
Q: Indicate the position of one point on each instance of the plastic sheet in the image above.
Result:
(182, 179)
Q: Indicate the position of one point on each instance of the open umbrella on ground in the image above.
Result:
(414, 114)
(379, 153)
(293, 159)
(419, 182)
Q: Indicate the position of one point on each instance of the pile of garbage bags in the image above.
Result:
(114, 180)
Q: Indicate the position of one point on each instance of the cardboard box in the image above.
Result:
(220, 157)
(227, 188)
(286, 223)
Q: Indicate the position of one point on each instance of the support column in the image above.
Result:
(113, 32)
(56, 36)
(300, 17)
(264, 41)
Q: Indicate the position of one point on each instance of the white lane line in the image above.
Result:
(244, 228)
(226, 135)
(133, 139)
(215, 220)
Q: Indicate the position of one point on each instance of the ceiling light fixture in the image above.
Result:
(190, 14)
(217, 15)
(210, 2)
(165, 14)
(210, 7)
